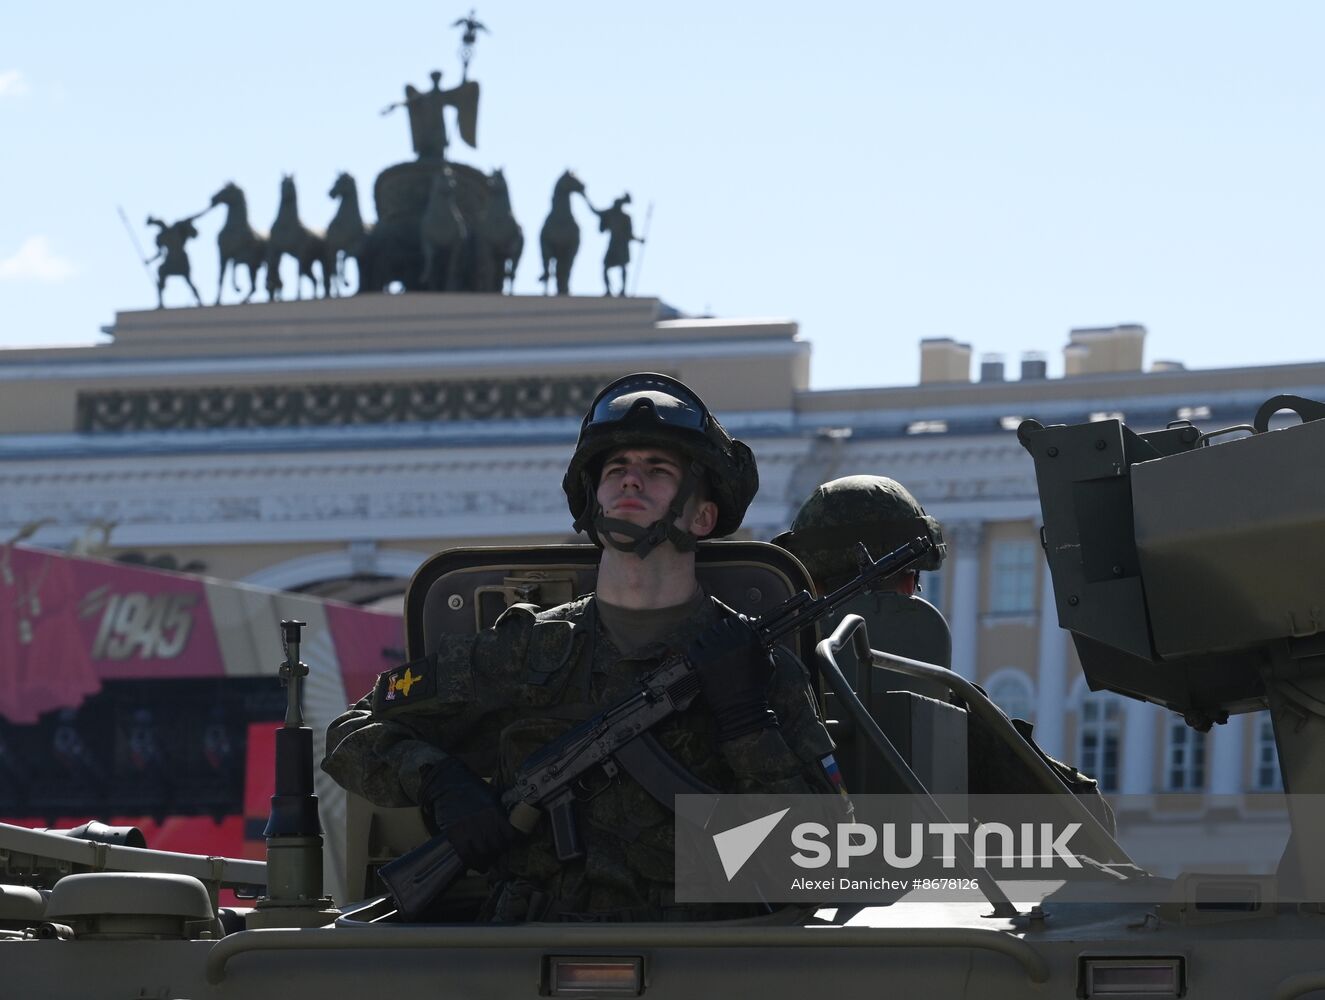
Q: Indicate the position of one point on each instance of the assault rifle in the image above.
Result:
(619, 737)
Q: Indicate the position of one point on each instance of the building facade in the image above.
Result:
(330, 446)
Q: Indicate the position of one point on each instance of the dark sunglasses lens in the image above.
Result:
(676, 409)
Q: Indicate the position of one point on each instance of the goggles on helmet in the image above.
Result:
(668, 401)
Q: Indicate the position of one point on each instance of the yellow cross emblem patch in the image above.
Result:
(403, 684)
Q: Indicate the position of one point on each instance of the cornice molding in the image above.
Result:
(333, 404)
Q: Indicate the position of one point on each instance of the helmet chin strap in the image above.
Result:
(643, 540)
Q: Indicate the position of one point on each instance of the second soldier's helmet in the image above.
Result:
(875, 510)
(650, 410)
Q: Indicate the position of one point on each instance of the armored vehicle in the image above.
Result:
(1189, 569)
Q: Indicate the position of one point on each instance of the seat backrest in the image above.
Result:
(463, 590)
(928, 732)
(905, 626)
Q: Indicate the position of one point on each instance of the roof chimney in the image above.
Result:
(1075, 360)
(1033, 366)
(1103, 350)
(942, 359)
(991, 368)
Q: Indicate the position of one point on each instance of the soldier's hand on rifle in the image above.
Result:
(468, 811)
(734, 670)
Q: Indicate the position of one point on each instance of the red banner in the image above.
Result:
(67, 624)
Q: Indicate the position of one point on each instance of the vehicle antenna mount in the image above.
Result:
(294, 833)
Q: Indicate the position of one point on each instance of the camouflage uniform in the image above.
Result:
(489, 701)
(494, 698)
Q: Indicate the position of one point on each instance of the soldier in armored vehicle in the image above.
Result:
(652, 474)
(881, 513)
(874, 510)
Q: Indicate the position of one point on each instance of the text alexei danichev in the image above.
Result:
(880, 884)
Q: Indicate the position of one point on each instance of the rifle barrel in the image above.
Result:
(793, 619)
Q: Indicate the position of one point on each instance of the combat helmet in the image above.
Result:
(878, 511)
(651, 410)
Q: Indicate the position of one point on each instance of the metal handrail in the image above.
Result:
(95, 856)
(979, 704)
(850, 624)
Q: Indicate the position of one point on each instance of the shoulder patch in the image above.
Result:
(409, 684)
(833, 774)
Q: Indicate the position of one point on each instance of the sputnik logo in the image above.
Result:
(735, 846)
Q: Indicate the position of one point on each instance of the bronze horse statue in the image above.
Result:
(560, 238)
(289, 235)
(442, 236)
(500, 239)
(238, 242)
(345, 236)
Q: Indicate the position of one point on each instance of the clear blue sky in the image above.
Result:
(880, 172)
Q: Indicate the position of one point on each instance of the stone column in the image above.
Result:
(1137, 747)
(1226, 753)
(964, 616)
(1051, 682)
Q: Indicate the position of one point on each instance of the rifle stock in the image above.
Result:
(418, 877)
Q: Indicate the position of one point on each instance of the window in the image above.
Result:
(1267, 776)
(1012, 590)
(927, 427)
(1099, 737)
(1011, 691)
(1186, 758)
